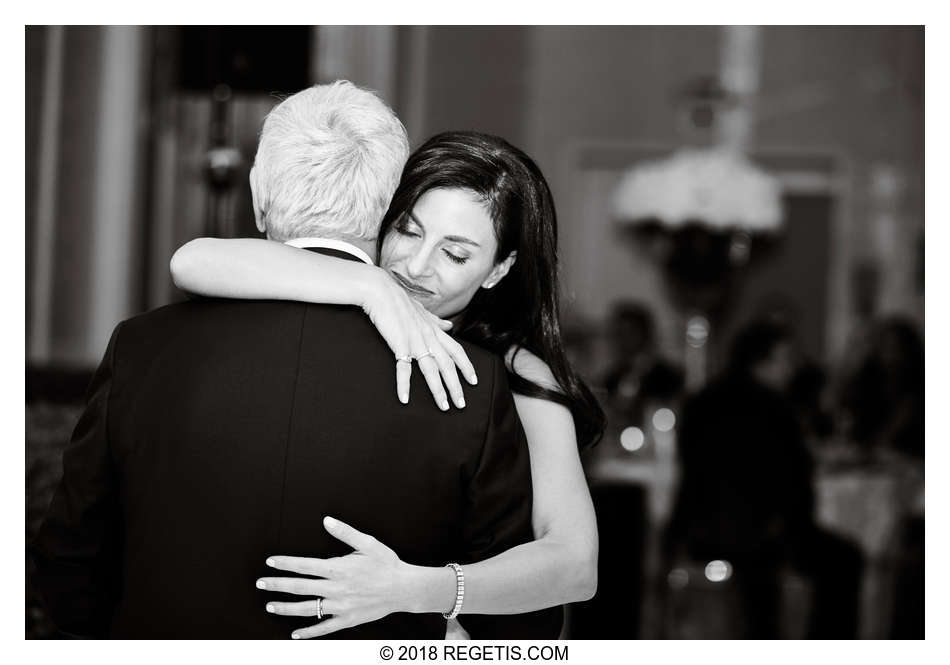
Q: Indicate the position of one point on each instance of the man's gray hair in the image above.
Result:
(327, 164)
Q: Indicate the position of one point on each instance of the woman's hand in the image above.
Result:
(413, 332)
(360, 587)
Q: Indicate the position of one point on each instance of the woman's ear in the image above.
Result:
(258, 213)
(500, 270)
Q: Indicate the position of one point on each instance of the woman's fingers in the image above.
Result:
(331, 624)
(420, 336)
(323, 628)
(299, 586)
(436, 336)
(423, 353)
(430, 370)
(450, 377)
(358, 540)
(459, 357)
(302, 565)
(444, 362)
(403, 377)
(307, 608)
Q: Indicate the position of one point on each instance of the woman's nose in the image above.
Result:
(418, 263)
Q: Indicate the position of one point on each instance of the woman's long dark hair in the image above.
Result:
(521, 311)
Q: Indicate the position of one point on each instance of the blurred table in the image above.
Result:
(652, 468)
(865, 503)
(870, 505)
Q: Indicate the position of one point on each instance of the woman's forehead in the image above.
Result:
(457, 212)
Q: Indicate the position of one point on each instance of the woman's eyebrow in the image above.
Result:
(461, 239)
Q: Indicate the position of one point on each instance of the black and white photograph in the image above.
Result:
(486, 333)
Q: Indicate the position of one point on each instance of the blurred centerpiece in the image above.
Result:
(705, 212)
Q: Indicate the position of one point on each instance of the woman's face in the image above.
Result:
(443, 250)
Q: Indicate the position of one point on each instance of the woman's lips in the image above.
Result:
(412, 287)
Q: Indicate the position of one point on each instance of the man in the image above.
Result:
(219, 432)
(746, 490)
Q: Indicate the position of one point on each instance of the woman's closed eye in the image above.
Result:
(455, 257)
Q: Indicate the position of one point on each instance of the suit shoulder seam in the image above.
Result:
(290, 424)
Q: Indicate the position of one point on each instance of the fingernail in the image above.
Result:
(404, 399)
(295, 636)
(261, 584)
(461, 402)
(270, 562)
(473, 379)
(444, 405)
(270, 608)
(329, 522)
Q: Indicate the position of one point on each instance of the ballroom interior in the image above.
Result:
(707, 179)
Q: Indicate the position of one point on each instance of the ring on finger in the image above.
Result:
(427, 354)
(403, 359)
(319, 609)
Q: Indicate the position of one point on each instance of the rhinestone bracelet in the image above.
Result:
(459, 590)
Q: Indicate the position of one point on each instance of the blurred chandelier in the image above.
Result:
(716, 187)
(710, 183)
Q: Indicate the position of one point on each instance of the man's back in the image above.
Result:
(221, 432)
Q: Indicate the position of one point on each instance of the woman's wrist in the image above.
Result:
(370, 287)
(430, 589)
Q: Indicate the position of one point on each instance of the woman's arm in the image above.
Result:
(249, 268)
(559, 566)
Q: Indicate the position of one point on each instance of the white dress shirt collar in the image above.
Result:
(332, 243)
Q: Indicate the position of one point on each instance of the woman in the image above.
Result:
(471, 237)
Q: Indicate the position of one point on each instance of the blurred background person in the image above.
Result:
(637, 372)
(883, 398)
(882, 415)
(746, 492)
(810, 395)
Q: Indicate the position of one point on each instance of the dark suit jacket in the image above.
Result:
(219, 432)
(745, 488)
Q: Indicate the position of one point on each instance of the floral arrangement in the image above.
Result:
(718, 188)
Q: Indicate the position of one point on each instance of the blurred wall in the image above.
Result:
(859, 93)
(87, 91)
(846, 100)
(475, 77)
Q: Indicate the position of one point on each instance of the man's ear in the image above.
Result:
(258, 213)
(499, 271)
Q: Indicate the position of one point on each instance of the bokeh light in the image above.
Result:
(632, 439)
(664, 420)
(697, 331)
(678, 578)
(718, 571)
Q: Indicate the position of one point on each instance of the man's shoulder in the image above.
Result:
(241, 326)
(480, 356)
(202, 304)
(258, 311)
(312, 327)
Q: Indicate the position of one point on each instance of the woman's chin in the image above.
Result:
(422, 299)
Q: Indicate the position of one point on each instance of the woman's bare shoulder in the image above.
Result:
(548, 424)
(529, 366)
